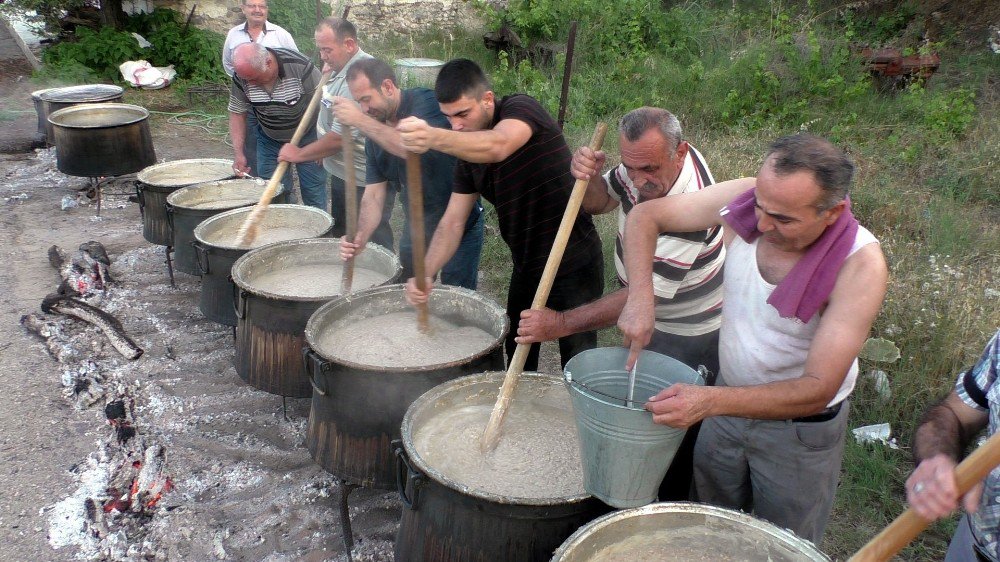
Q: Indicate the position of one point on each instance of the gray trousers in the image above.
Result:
(962, 547)
(782, 471)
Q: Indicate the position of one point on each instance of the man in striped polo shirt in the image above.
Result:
(276, 85)
(513, 153)
(687, 266)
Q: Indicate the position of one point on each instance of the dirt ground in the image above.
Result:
(244, 485)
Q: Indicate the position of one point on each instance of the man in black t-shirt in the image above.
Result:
(380, 105)
(512, 153)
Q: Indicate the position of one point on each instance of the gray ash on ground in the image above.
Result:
(242, 483)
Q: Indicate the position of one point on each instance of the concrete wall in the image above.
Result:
(375, 18)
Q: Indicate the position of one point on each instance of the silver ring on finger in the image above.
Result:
(918, 487)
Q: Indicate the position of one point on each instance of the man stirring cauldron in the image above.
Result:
(512, 152)
(803, 283)
(382, 104)
(687, 267)
(276, 85)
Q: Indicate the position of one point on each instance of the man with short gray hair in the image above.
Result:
(804, 282)
(687, 274)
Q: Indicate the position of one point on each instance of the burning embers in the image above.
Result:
(147, 487)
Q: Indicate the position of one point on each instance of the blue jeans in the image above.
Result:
(312, 176)
(250, 143)
(462, 270)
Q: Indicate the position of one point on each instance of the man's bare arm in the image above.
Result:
(548, 325)
(487, 146)
(327, 145)
(678, 213)
(947, 429)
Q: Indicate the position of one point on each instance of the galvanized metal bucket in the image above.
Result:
(624, 453)
(684, 531)
(417, 72)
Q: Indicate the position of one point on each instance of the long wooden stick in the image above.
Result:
(248, 230)
(491, 435)
(350, 204)
(415, 193)
(908, 525)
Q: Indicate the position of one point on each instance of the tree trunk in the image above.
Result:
(112, 14)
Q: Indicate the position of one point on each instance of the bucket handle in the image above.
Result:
(313, 362)
(413, 479)
(201, 256)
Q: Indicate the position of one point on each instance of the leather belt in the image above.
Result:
(826, 415)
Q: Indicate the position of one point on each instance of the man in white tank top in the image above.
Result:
(774, 426)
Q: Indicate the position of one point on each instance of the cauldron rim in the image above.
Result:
(310, 331)
(55, 118)
(427, 398)
(199, 230)
(785, 536)
(51, 95)
(143, 175)
(173, 196)
(246, 285)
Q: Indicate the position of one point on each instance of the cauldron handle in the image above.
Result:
(141, 198)
(201, 256)
(170, 218)
(413, 477)
(239, 301)
(313, 362)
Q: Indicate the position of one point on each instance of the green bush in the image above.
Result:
(195, 53)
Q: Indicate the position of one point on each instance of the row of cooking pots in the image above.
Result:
(363, 418)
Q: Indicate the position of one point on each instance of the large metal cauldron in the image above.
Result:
(357, 409)
(189, 206)
(217, 246)
(446, 520)
(159, 181)
(684, 531)
(102, 139)
(270, 323)
(43, 116)
(50, 100)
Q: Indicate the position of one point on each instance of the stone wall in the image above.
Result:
(375, 18)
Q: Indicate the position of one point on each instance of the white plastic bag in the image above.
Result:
(141, 74)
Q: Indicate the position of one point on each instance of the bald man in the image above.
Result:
(275, 85)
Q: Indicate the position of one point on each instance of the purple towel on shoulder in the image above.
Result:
(808, 285)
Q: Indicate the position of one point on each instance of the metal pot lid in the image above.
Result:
(419, 62)
(79, 94)
(98, 115)
(180, 173)
(37, 94)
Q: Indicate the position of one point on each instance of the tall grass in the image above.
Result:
(927, 185)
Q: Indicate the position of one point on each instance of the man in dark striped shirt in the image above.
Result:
(687, 266)
(276, 85)
(512, 152)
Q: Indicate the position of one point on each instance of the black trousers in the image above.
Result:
(569, 290)
(383, 233)
(692, 351)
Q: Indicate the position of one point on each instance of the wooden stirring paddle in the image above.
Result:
(491, 435)
(250, 227)
(908, 525)
(415, 193)
(350, 205)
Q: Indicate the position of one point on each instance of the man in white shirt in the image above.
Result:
(256, 29)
